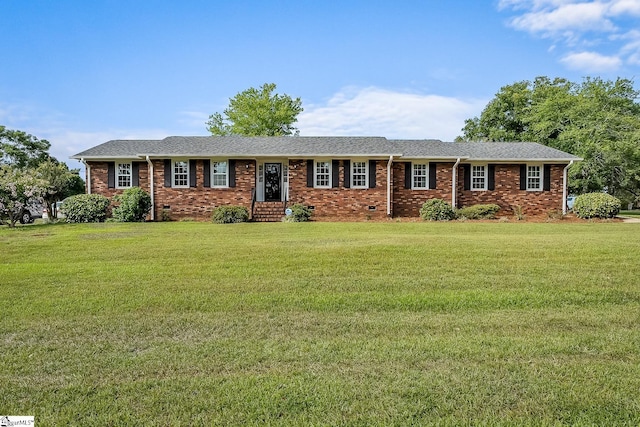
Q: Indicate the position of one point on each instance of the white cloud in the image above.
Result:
(378, 112)
(591, 61)
(579, 25)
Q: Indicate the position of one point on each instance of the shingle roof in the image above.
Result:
(330, 146)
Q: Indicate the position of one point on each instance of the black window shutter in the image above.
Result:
(167, 172)
(432, 175)
(523, 177)
(347, 173)
(135, 174)
(335, 173)
(546, 179)
(372, 174)
(111, 175)
(232, 173)
(491, 178)
(192, 173)
(309, 173)
(407, 175)
(207, 173)
(467, 176)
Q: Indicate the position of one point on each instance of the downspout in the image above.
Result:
(564, 187)
(88, 169)
(389, 182)
(151, 180)
(454, 183)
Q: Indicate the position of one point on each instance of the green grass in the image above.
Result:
(321, 324)
(633, 213)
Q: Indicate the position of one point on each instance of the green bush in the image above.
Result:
(230, 214)
(299, 213)
(596, 205)
(487, 211)
(437, 210)
(135, 204)
(86, 208)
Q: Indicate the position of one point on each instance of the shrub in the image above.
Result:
(230, 214)
(596, 205)
(86, 208)
(437, 210)
(478, 211)
(135, 204)
(299, 213)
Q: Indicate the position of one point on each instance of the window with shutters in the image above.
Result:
(322, 174)
(420, 175)
(123, 175)
(534, 178)
(180, 173)
(359, 174)
(478, 177)
(219, 174)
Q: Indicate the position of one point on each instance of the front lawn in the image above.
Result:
(321, 324)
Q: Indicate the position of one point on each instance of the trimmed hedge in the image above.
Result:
(596, 205)
(86, 208)
(135, 204)
(487, 211)
(230, 214)
(299, 213)
(437, 210)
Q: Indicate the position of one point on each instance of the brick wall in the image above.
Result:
(340, 202)
(198, 202)
(407, 202)
(507, 192)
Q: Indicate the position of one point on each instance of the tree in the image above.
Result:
(596, 119)
(60, 183)
(18, 188)
(22, 150)
(257, 112)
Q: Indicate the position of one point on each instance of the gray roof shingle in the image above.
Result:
(330, 146)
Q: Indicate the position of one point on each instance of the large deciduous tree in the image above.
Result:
(257, 112)
(22, 150)
(596, 119)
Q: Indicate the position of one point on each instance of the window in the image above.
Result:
(219, 174)
(359, 174)
(123, 178)
(180, 173)
(478, 177)
(420, 173)
(323, 174)
(534, 178)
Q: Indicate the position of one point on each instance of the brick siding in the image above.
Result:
(338, 203)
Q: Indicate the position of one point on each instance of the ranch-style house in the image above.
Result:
(339, 178)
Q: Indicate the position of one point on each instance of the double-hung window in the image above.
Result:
(181, 173)
(359, 174)
(478, 177)
(534, 178)
(123, 175)
(219, 174)
(322, 178)
(420, 176)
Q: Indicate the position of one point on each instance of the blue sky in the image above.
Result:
(79, 73)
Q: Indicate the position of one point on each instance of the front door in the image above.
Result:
(273, 182)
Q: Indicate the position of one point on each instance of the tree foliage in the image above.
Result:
(19, 149)
(18, 188)
(60, 183)
(257, 112)
(596, 119)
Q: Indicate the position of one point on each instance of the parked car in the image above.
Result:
(26, 215)
(60, 209)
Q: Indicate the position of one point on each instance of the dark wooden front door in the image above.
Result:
(272, 182)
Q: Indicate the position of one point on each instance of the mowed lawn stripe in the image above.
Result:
(321, 323)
